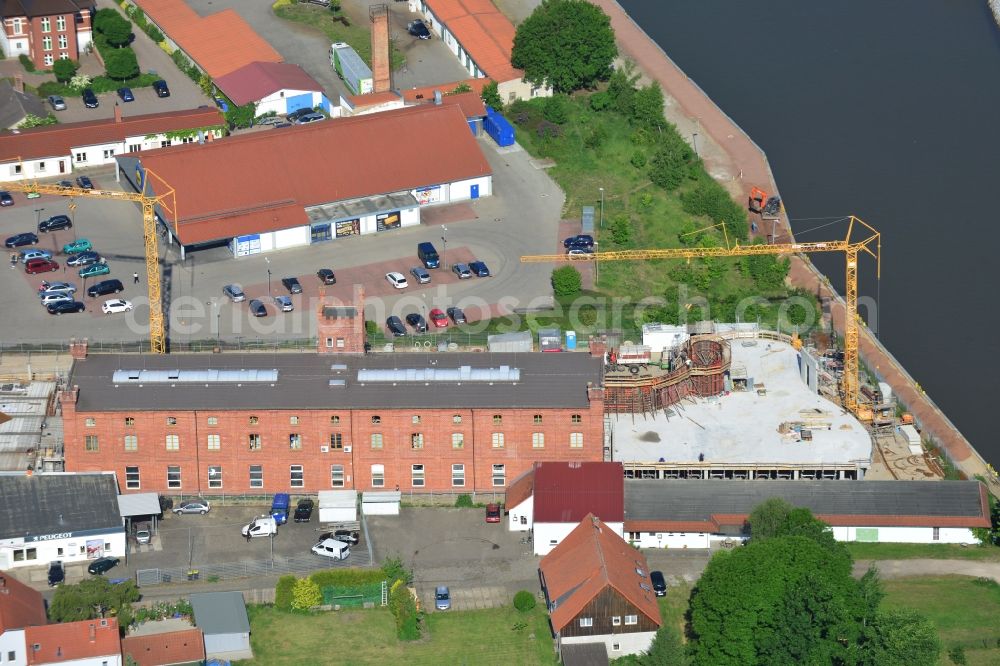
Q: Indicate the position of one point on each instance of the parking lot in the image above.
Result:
(521, 218)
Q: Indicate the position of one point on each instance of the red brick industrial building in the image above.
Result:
(215, 424)
(46, 30)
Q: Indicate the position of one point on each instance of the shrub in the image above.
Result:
(393, 569)
(306, 594)
(669, 167)
(491, 96)
(638, 160)
(80, 81)
(121, 64)
(596, 138)
(645, 200)
(459, 89)
(283, 592)
(621, 229)
(524, 601)
(557, 109)
(26, 62)
(404, 609)
(32, 120)
(464, 502)
(600, 101)
(64, 70)
(547, 130)
(153, 33)
(566, 281)
(346, 577)
(711, 199)
(371, 327)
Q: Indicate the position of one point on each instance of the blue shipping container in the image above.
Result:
(499, 129)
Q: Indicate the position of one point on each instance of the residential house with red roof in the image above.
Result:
(55, 151)
(83, 643)
(276, 87)
(20, 607)
(519, 502)
(597, 590)
(46, 30)
(482, 39)
(171, 648)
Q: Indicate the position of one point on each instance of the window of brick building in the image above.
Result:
(296, 477)
(254, 420)
(294, 440)
(336, 476)
(336, 440)
(376, 419)
(376, 440)
(61, 23)
(417, 440)
(131, 443)
(537, 419)
(91, 422)
(457, 440)
(417, 476)
(498, 440)
(214, 442)
(254, 441)
(538, 440)
(293, 420)
(378, 476)
(46, 24)
(458, 475)
(90, 443)
(497, 419)
(213, 420)
(576, 440)
(576, 418)
(499, 476)
(215, 476)
(173, 476)
(415, 419)
(256, 476)
(132, 478)
(334, 420)
(173, 442)
(457, 418)
(616, 620)
(129, 421)
(171, 420)
(631, 619)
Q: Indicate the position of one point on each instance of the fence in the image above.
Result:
(249, 569)
(353, 596)
(410, 498)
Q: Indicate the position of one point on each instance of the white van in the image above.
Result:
(260, 527)
(337, 550)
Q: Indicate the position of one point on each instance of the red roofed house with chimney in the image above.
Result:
(83, 643)
(20, 607)
(597, 590)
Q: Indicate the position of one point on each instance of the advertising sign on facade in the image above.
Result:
(95, 548)
(247, 245)
(385, 221)
(348, 228)
(428, 195)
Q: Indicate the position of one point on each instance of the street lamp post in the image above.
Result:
(694, 139)
(268, 260)
(602, 208)
(444, 251)
(597, 269)
(38, 216)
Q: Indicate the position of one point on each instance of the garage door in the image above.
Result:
(296, 102)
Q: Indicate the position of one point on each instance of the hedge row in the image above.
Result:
(346, 577)
(99, 84)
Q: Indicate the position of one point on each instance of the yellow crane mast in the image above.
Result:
(861, 237)
(157, 334)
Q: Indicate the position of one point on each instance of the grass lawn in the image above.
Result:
(934, 551)
(674, 606)
(357, 35)
(496, 636)
(964, 610)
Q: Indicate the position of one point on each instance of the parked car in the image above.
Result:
(161, 88)
(418, 29)
(462, 271)
(337, 550)
(280, 506)
(50, 287)
(292, 285)
(126, 94)
(28, 255)
(346, 536)
(65, 183)
(105, 287)
(55, 223)
(57, 573)
(420, 274)
(221, 103)
(310, 118)
(428, 255)
(257, 308)
(55, 297)
(438, 318)
(442, 598)
(193, 506)
(577, 251)
(262, 526)
(102, 565)
(298, 113)
(20, 240)
(65, 307)
(116, 305)
(234, 292)
(321, 3)
(6, 199)
(89, 99)
(479, 268)
(57, 103)
(94, 270)
(580, 240)
(264, 121)
(85, 182)
(659, 583)
(326, 276)
(303, 511)
(456, 314)
(281, 124)
(395, 326)
(36, 266)
(79, 245)
(284, 303)
(417, 321)
(143, 534)
(83, 259)
(493, 513)
(397, 280)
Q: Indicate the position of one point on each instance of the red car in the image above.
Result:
(40, 266)
(439, 318)
(493, 513)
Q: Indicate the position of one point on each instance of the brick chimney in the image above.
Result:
(19, 83)
(68, 396)
(78, 349)
(379, 15)
(118, 113)
(598, 346)
(595, 393)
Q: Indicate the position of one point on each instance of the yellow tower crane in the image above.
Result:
(861, 237)
(157, 334)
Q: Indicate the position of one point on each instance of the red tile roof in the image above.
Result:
(20, 605)
(219, 43)
(591, 558)
(566, 492)
(485, 33)
(371, 99)
(273, 175)
(520, 489)
(72, 640)
(59, 140)
(716, 521)
(257, 80)
(426, 93)
(174, 647)
(470, 103)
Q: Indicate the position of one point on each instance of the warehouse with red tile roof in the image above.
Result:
(91, 640)
(276, 87)
(313, 183)
(166, 649)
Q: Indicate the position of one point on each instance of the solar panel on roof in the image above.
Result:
(198, 376)
(465, 373)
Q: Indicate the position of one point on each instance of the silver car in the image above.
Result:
(193, 506)
(234, 292)
(28, 255)
(421, 274)
(56, 287)
(57, 102)
(284, 303)
(55, 297)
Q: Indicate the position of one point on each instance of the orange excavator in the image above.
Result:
(769, 208)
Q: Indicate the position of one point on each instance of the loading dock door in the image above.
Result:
(304, 101)
(474, 191)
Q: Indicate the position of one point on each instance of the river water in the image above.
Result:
(887, 110)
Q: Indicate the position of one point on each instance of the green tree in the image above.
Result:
(566, 281)
(901, 637)
(670, 166)
(460, 88)
(556, 109)
(115, 27)
(31, 120)
(306, 594)
(491, 96)
(121, 64)
(91, 597)
(64, 70)
(566, 44)
(284, 592)
(621, 88)
(647, 107)
(524, 601)
(712, 200)
(621, 229)
(240, 116)
(768, 517)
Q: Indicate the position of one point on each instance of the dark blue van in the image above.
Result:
(428, 255)
(279, 508)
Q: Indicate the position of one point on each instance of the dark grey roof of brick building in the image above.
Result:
(55, 503)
